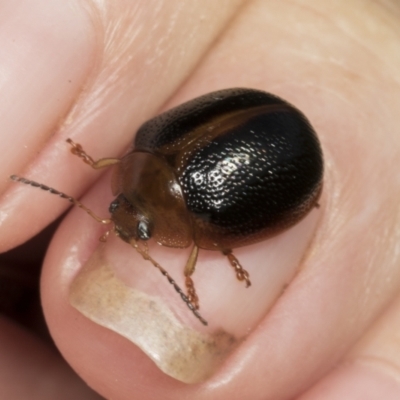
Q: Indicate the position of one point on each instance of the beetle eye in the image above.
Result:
(143, 230)
(113, 206)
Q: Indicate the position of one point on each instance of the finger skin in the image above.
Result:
(371, 370)
(135, 45)
(42, 73)
(60, 113)
(329, 304)
(29, 370)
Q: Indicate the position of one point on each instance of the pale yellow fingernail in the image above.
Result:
(181, 352)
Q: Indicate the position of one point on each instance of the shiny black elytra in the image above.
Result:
(224, 170)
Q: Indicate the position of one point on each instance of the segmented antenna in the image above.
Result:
(51, 190)
(143, 253)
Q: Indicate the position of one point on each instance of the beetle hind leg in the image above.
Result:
(189, 270)
(77, 150)
(241, 273)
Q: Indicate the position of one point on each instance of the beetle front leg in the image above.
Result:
(189, 269)
(241, 273)
(102, 163)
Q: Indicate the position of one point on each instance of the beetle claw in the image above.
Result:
(241, 273)
(191, 292)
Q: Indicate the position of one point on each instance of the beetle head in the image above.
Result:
(129, 222)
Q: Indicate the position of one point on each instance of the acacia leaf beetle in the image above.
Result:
(224, 170)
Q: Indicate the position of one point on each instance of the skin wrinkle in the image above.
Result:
(367, 297)
(116, 57)
(390, 6)
(112, 61)
(389, 234)
(346, 71)
(336, 93)
(371, 273)
(239, 8)
(391, 368)
(75, 115)
(348, 33)
(118, 42)
(386, 228)
(350, 73)
(160, 47)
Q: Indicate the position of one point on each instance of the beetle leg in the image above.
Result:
(241, 273)
(144, 253)
(102, 163)
(189, 269)
(103, 238)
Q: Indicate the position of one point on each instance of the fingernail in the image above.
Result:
(119, 290)
(46, 50)
(358, 381)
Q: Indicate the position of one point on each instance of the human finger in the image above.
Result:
(371, 370)
(29, 369)
(326, 306)
(95, 80)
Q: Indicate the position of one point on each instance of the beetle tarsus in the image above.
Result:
(77, 150)
(241, 273)
(191, 292)
(188, 272)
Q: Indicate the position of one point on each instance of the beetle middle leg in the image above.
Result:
(189, 269)
(241, 273)
(102, 163)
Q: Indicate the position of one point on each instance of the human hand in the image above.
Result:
(96, 80)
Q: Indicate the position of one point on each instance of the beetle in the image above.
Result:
(224, 170)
